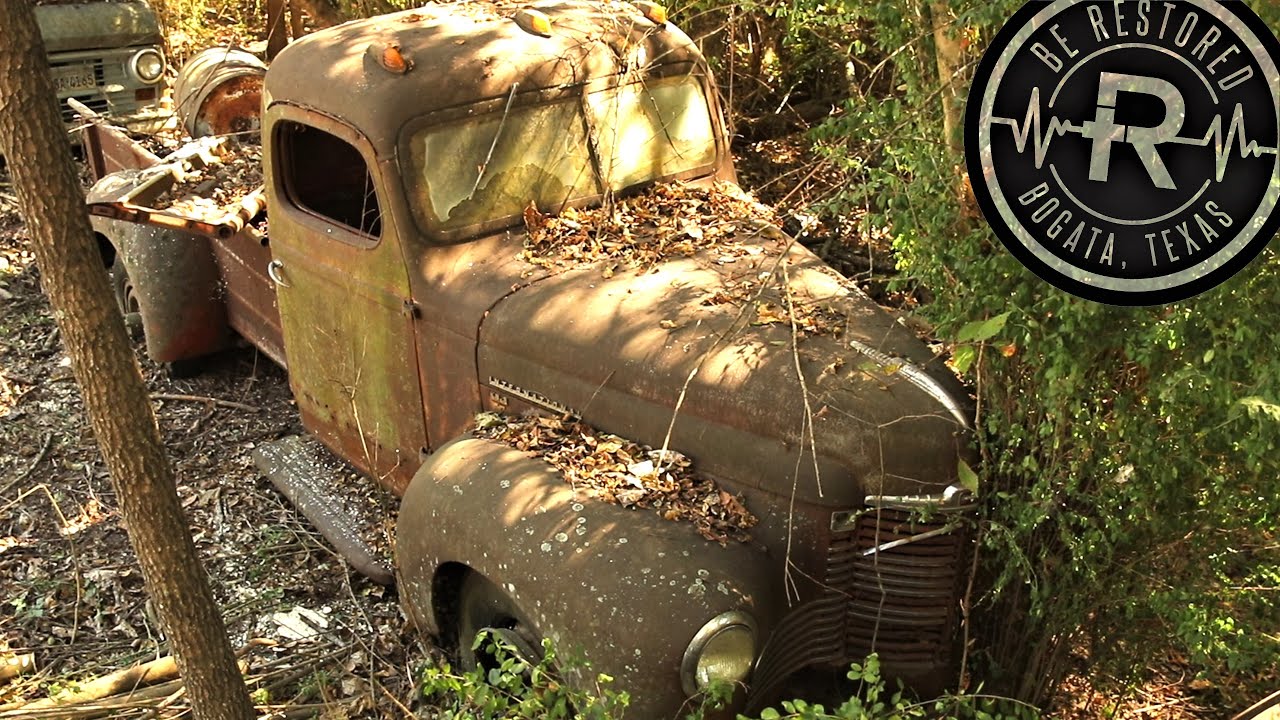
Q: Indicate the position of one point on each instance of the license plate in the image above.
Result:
(79, 77)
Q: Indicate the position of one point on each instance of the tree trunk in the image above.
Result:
(277, 29)
(949, 59)
(33, 138)
(296, 26)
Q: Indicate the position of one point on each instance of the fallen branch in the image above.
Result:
(202, 399)
(93, 708)
(16, 378)
(114, 683)
(11, 666)
(109, 694)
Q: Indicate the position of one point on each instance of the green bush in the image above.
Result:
(874, 701)
(1130, 453)
(515, 688)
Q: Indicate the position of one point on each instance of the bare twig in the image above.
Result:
(965, 603)
(806, 428)
(496, 136)
(44, 450)
(804, 385)
(407, 712)
(734, 327)
(202, 399)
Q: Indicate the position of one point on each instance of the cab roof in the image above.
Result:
(460, 53)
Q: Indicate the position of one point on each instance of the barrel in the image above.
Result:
(219, 92)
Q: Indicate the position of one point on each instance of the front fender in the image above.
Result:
(626, 587)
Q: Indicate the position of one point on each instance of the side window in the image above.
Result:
(327, 176)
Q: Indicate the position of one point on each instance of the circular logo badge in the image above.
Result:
(1126, 150)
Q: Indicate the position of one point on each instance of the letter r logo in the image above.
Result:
(1103, 129)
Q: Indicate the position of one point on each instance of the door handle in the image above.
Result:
(273, 272)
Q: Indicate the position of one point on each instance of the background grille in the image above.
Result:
(114, 93)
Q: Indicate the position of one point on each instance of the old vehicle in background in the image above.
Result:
(492, 225)
(107, 55)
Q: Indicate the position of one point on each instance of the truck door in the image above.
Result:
(343, 292)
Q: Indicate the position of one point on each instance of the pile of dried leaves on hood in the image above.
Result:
(666, 221)
(626, 473)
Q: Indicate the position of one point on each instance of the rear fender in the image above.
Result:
(177, 287)
(625, 587)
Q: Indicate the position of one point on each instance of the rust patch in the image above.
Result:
(235, 106)
(616, 470)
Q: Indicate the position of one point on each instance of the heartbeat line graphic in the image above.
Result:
(1031, 129)
(1222, 147)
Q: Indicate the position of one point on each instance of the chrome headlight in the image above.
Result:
(147, 65)
(723, 650)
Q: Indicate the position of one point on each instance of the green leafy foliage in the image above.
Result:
(875, 701)
(513, 688)
(516, 689)
(1130, 453)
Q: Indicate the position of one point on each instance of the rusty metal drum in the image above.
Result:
(219, 92)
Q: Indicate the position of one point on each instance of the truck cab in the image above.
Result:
(408, 284)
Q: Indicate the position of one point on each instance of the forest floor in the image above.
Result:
(316, 636)
(318, 639)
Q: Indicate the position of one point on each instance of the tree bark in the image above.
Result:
(33, 138)
(949, 57)
(277, 29)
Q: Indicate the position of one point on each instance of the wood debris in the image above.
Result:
(213, 192)
(669, 220)
(622, 472)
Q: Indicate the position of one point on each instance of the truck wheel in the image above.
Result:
(483, 608)
(126, 298)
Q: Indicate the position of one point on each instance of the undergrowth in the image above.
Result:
(515, 688)
(1128, 451)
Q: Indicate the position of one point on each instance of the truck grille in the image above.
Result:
(900, 602)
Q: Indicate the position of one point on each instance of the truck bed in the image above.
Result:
(197, 194)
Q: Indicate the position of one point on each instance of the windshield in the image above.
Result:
(646, 131)
(492, 167)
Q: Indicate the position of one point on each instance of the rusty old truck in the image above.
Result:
(525, 215)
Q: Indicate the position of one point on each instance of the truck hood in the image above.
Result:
(97, 25)
(701, 353)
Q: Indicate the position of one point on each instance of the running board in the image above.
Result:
(306, 473)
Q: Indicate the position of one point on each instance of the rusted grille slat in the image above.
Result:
(806, 632)
(902, 599)
(900, 602)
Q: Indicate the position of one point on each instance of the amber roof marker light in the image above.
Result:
(391, 58)
(652, 11)
(533, 22)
